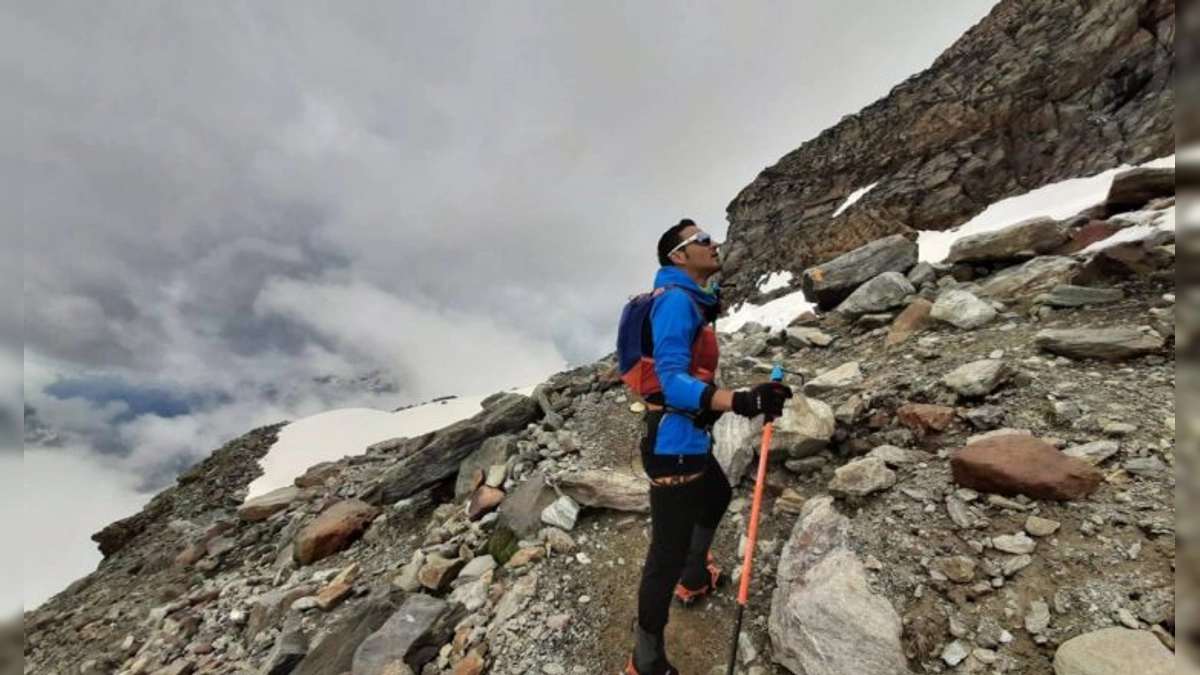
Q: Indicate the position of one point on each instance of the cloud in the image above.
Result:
(269, 210)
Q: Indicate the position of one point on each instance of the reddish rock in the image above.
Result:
(913, 320)
(484, 501)
(335, 529)
(471, 665)
(317, 475)
(188, 556)
(925, 417)
(1095, 231)
(1017, 464)
(1119, 261)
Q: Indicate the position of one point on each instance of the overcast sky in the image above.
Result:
(234, 210)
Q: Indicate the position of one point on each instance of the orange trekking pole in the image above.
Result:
(752, 531)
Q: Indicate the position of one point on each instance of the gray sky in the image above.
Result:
(224, 201)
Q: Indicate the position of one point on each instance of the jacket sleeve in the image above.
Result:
(675, 321)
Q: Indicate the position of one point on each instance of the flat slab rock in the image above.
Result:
(1107, 344)
(1114, 651)
(1016, 464)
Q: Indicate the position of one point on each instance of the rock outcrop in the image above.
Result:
(1070, 89)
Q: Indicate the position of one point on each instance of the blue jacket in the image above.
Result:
(675, 321)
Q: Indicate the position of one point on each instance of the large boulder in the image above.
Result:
(1029, 279)
(830, 283)
(805, 427)
(437, 456)
(606, 490)
(1015, 464)
(334, 530)
(1132, 189)
(1026, 239)
(335, 651)
(521, 510)
(1114, 651)
(825, 619)
(884, 292)
(962, 310)
(493, 451)
(412, 636)
(1107, 344)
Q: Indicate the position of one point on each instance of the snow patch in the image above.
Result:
(775, 315)
(774, 281)
(854, 197)
(1056, 200)
(335, 434)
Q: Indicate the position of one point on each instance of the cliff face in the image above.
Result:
(1038, 91)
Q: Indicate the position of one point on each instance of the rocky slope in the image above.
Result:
(893, 540)
(1038, 91)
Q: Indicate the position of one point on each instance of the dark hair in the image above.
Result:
(670, 239)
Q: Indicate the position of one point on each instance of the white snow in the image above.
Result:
(854, 197)
(1056, 200)
(775, 315)
(774, 281)
(334, 434)
(1148, 222)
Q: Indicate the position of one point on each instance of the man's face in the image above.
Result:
(694, 255)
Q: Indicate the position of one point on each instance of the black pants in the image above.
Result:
(674, 512)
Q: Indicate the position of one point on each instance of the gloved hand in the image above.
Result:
(765, 399)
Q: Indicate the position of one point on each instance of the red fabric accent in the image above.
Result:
(643, 379)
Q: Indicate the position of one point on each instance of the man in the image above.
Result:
(688, 491)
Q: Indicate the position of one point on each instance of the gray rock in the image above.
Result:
(1108, 344)
(1018, 543)
(954, 653)
(830, 283)
(265, 506)
(978, 378)
(1038, 618)
(824, 619)
(521, 510)
(491, 452)
(1041, 527)
(436, 456)
(561, 514)
(805, 427)
(962, 310)
(335, 652)
(1146, 466)
(606, 490)
(800, 336)
(412, 636)
(1114, 651)
(895, 456)
(1023, 240)
(861, 478)
(922, 274)
(1134, 188)
(1162, 320)
(1094, 453)
(289, 650)
(843, 377)
(880, 294)
(477, 566)
(1066, 295)
(1030, 279)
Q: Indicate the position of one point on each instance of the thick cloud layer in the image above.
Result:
(270, 208)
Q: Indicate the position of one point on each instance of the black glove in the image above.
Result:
(765, 399)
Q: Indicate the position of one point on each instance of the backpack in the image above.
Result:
(635, 344)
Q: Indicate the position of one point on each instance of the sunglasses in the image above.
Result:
(702, 238)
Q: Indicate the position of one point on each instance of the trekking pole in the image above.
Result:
(752, 531)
